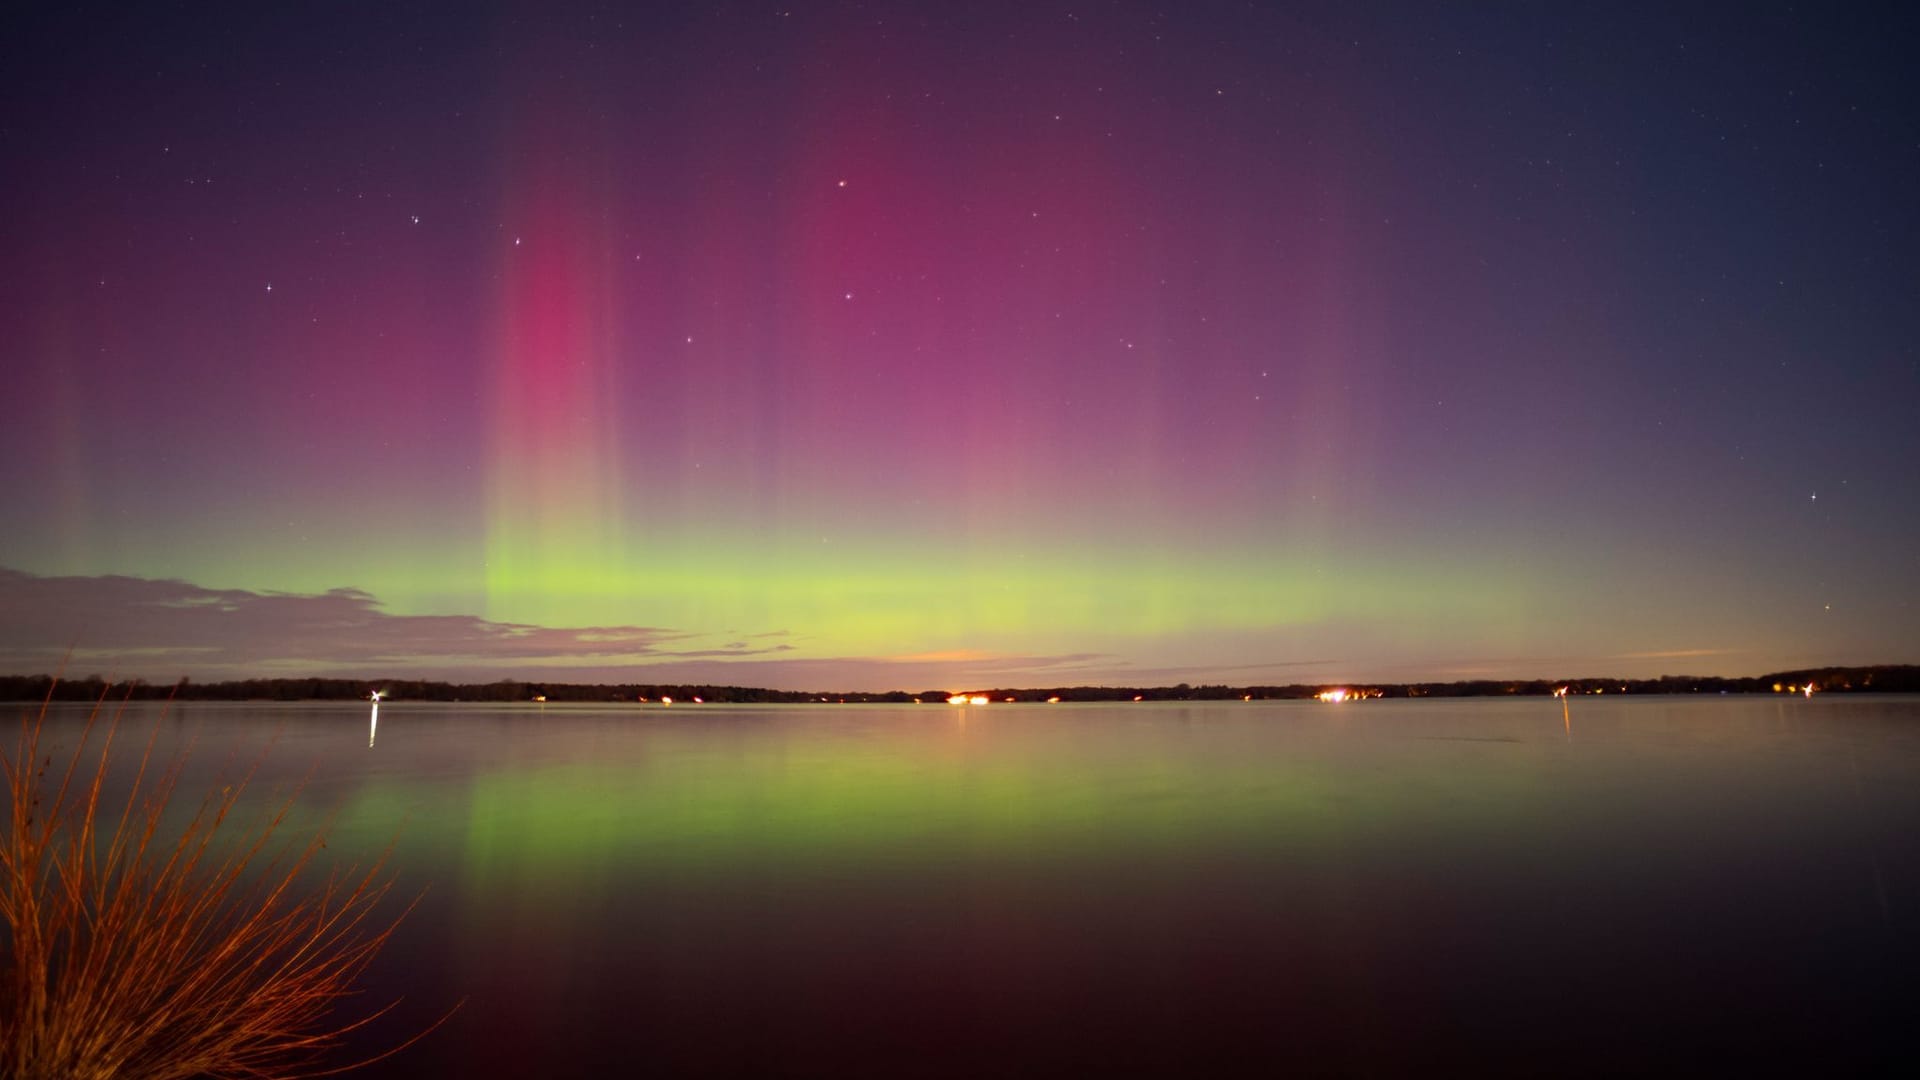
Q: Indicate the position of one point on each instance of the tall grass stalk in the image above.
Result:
(135, 950)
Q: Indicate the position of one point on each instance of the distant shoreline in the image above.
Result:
(1879, 679)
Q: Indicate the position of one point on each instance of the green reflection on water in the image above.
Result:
(630, 798)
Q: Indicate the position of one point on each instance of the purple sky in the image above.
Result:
(882, 345)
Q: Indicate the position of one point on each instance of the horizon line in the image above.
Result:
(54, 681)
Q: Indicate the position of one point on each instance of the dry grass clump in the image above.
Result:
(133, 951)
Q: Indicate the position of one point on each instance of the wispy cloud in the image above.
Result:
(984, 663)
(167, 627)
(1567, 665)
(163, 629)
(1674, 654)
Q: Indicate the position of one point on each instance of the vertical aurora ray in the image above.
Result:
(554, 502)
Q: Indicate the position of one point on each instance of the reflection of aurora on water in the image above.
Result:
(581, 866)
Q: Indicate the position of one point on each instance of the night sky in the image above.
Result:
(910, 345)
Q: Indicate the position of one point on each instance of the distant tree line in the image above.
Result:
(38, 687)
(1883, 679)
(1878, 679)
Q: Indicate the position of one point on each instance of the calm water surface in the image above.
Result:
(1231, 888)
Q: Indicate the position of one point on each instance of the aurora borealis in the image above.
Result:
(898, 345)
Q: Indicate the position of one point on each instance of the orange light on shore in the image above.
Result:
(957, 699)
(1053, 701)
(1560, 693)
(1335, 696)
(666, 701)
(978, 699)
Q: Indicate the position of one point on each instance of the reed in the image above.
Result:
(137, 946)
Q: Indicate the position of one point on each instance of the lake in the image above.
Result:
(1375, 888)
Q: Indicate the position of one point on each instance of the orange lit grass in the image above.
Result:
(133, 951)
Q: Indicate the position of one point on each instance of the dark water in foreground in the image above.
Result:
(1374, 888)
